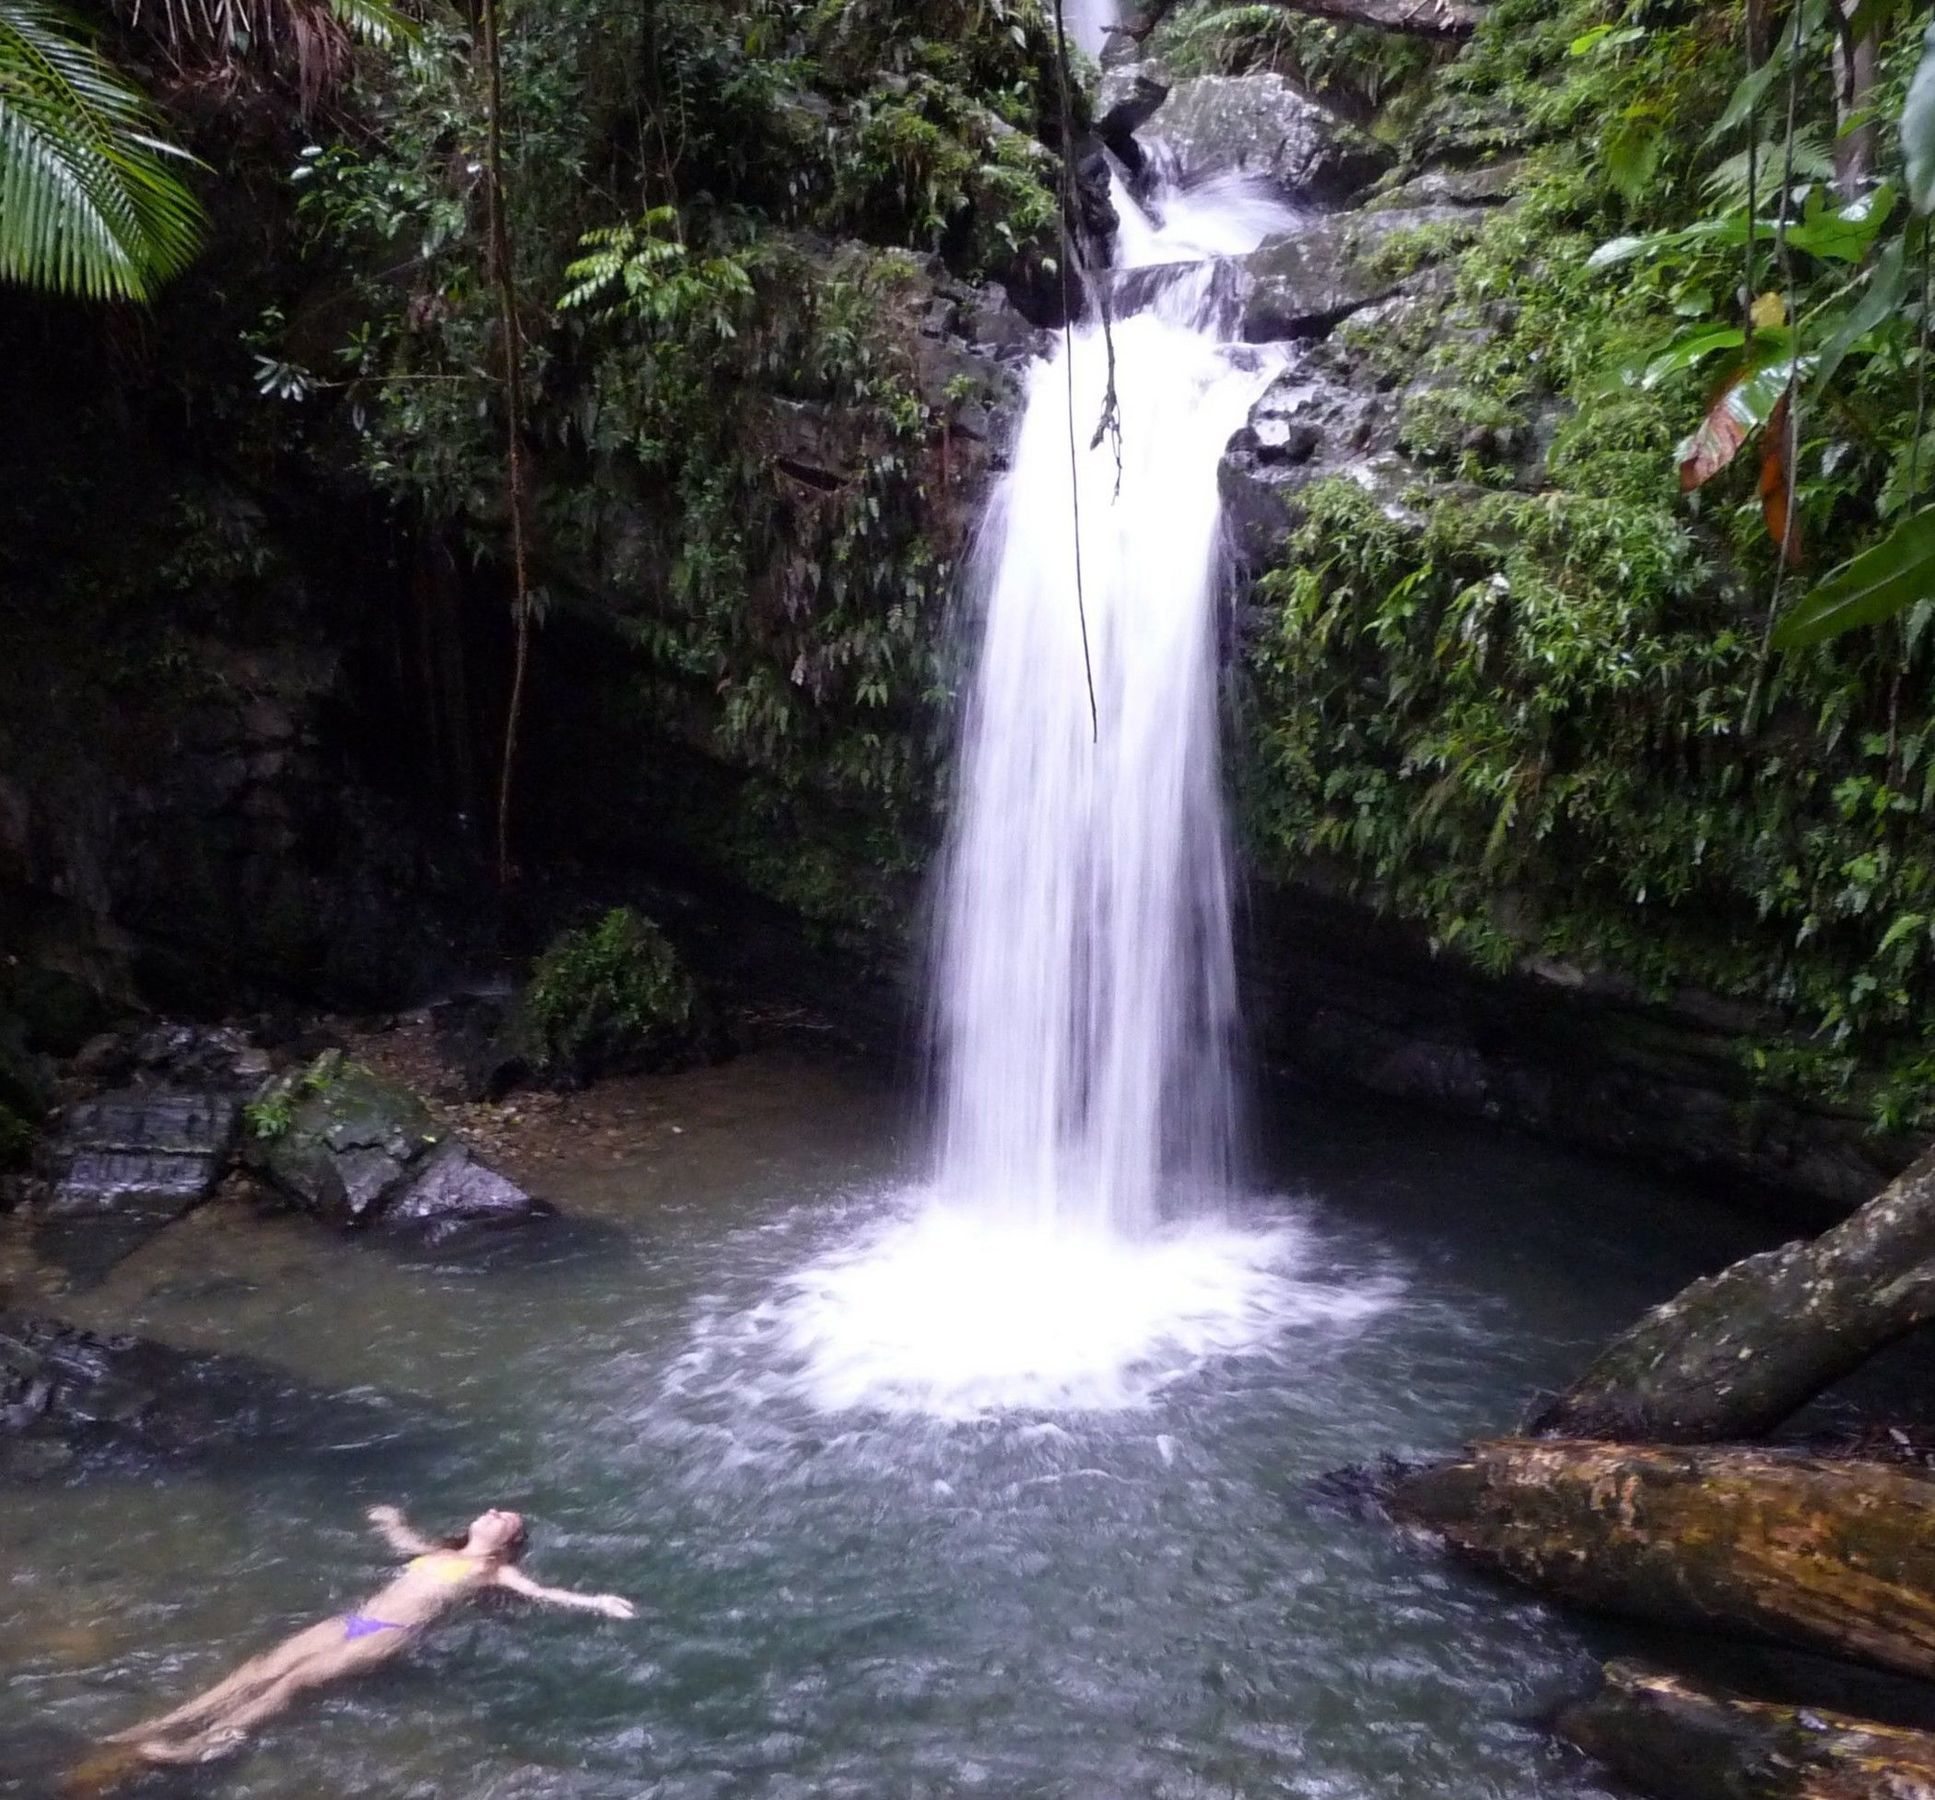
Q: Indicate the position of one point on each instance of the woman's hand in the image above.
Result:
(394, 1529)
(613, 1607)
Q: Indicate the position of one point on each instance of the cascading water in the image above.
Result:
(1088, 22)
(1072, 1251)
(1085, 988)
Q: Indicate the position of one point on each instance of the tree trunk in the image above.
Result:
(1855, 59)
(1678, 1742)
(1832, 1556)
(1734, 1354)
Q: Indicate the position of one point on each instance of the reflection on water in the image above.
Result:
(1143, 1601)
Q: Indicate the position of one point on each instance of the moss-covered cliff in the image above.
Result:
(1507, 679)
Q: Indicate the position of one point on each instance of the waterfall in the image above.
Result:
(1084, 983)
(1088, 23)
(1069, 1251)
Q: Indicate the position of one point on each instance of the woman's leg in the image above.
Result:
(335, 1659)
(250, 1679)
(228, 1728)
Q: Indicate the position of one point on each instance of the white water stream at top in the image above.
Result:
(1073, 1250)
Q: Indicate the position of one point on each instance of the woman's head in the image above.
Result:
(496, 1534)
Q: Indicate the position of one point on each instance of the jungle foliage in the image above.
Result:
(731, 217)
(1540, 705)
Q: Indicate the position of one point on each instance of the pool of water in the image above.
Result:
(1153, 1597)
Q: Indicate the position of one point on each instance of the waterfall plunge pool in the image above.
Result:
(1150, 1600)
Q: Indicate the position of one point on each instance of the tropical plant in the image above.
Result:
(312, 39)
(92, 199)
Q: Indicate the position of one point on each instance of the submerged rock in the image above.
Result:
(1262, 126)
(342, 1142)
(70, 1397)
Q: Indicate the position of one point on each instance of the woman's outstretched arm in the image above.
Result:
(394, 1530)
(608, 1604)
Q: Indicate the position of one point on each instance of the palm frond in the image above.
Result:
(309, 38)
(91, 198)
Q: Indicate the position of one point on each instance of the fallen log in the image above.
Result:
(1736, 1353)
(1679, 1742)
(1833, 1556)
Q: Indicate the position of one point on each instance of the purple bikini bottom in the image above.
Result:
(357, 1626)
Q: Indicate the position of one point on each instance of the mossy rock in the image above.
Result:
(338, 1139)
(609, 998)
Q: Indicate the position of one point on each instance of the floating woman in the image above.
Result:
(438, 1577)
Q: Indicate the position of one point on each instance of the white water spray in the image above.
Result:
(1072, 1251)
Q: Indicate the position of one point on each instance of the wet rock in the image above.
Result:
(215, 1056)
(1489, 185)
(1260, 125)
(1304, 282)
(117, 1169)
(69, 1397)
(1131, 96)
(149, 1153)
(1329, 414)
(352, 1148)
(455, 1189)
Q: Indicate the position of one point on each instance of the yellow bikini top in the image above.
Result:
(443, 1565)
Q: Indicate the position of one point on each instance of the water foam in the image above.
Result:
(946, 1314)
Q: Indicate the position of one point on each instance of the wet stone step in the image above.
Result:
(145, 1152)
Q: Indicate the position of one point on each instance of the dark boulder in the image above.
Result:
(469, 1035)
(1130, 98)
(338, 1140)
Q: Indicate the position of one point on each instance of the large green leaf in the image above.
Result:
(91, 201)
(1846, 325)
(1876, 585)
(1918, 128)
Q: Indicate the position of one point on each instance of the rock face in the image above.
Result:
(1300, 284)
(68, 1397)
(354, 1149)
(1342, 999)
(1259, 125)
